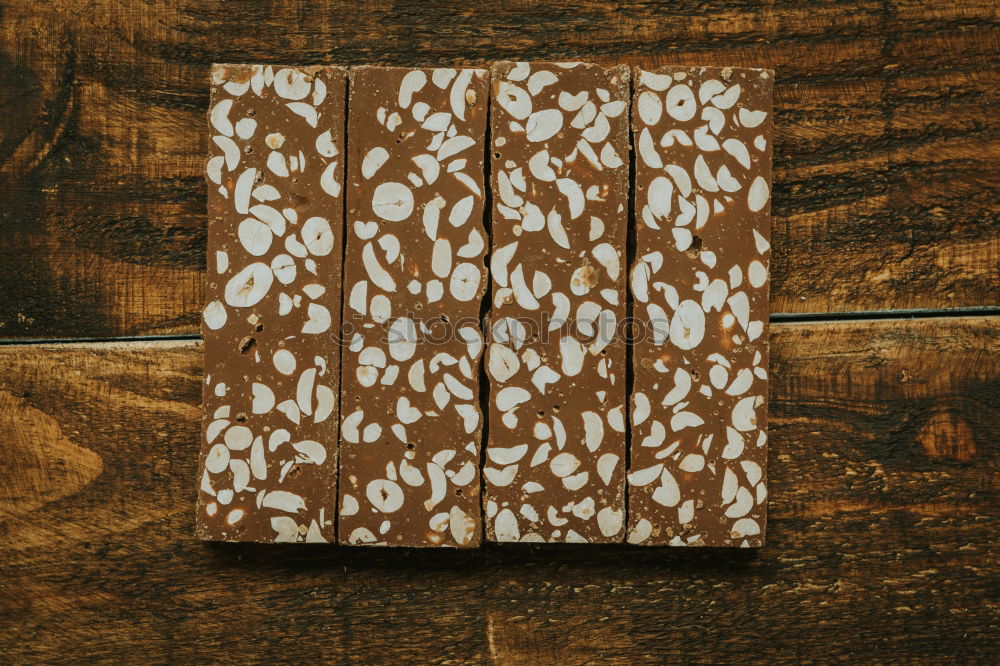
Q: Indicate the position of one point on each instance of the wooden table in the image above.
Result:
(885, 373)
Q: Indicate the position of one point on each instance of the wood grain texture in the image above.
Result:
(881, 545)
(885, 192)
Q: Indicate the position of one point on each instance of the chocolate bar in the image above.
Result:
(698, 473)
(555, 460)
(274, 173)
(414, 280)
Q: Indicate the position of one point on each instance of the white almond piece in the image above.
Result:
(317, 236)
(609, 157)
(598, 131)
(680, 103)
(220, 117)
(554, 224)
(736, 148)
(429, 167)
(461, 211)
(657, 82)
(741, 383)
(727, 99)
(572, 355)
(385, 496)
(371, 433)
(609, 521)
(538, 80)
(644, 477)
(214, 315)
(761, 243)
(291, 84)
(726, 181)
(647, 151)
(307, 111)
(742, 505)
(328, 181)
(325, 145)
(461, 525)
(465, 282)
(564, 464)
(585, 116)
(255, 236)
(505, 527)
(249, 286)
(213, 168)
(231, 152)
(241, 193)
(271, 217)
(506, 456)
(715, 118)
(574, 197)
(539, 167)
(543, 125)
(503, 363)
(310, 452)
(744, 417)
(756, 274)
(705, 141)
(613, 109)
(704, 176)
(392, 201)
(373, 161)
(380, 309)
(412, 82)
(668, 493)
(510, 397)
(758, 194)
(457, 98)
(714, 296)
(659, 323)
(572, 103)
(593, 430)
(442, 76)
(402, 339)
(282, 500)
(217, 459)
(710, 89)
(688, 325)
(750, 118)
(441, 258)
(650, 107)
(514, 100)
(501, 477)
(540, 284)
(692, 462)
(660, 196)
(740, 305)
(263, 398)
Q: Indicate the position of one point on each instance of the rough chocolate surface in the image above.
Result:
(700, 285)
(269, 455)
(413, 285)
(554, 467)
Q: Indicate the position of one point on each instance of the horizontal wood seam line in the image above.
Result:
(777, 318)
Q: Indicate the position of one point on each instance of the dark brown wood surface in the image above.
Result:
(886, 135)
(883, 461)
(881, 541)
